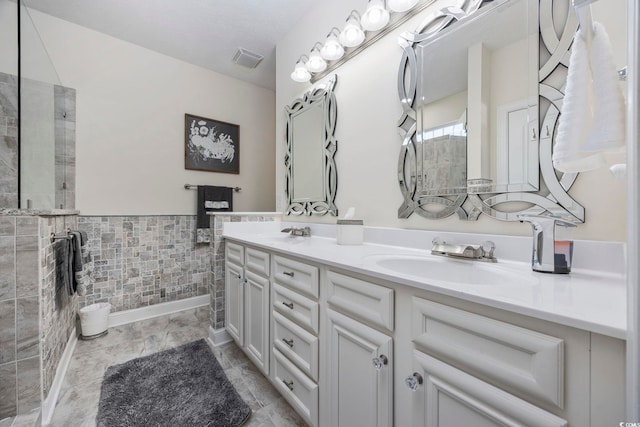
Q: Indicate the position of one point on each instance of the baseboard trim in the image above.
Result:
(156, 310)
(219, 336)
(49, 404)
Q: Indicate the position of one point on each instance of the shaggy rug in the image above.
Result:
(183, 386)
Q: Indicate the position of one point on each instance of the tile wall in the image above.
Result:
(144, 260)
(8, 140)
(26, 295)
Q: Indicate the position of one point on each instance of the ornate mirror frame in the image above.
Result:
(553, 197)
(325, 97)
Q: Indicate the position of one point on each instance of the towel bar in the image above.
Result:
(191, 187)
(53, 236)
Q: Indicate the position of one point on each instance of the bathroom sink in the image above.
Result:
(446, 269)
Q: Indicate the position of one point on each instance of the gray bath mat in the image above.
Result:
(184, 386)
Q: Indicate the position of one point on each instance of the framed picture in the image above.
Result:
(211, 145)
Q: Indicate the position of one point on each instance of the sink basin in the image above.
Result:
(450, 270)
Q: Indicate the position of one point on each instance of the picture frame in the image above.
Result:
(211, 145)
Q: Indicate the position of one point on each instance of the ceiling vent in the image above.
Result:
(247, 58)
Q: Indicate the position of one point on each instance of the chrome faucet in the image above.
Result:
(546, 256)
(298, 231)
(482, 252)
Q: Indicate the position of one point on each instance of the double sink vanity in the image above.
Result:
(385, 333)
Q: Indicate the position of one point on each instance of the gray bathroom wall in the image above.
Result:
(30, 350)
(144, 260)
(8, 140)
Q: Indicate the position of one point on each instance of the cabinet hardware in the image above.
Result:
(379, 362)
(239, 276)
(288, 342)
(288, 273)
(289, 384)
(288, 304)
(413, 381)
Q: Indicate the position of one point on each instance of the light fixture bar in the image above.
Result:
(395, 23)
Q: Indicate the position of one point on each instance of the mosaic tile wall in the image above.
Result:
(144, 260)
(216, 290)
(25, 297)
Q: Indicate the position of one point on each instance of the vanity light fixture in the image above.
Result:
(358, 34)
(316, 62)
(376, 17)
(332, 49)
(401, 5)
(300, 73)
(352, 35)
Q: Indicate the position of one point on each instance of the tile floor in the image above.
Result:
(78, 401)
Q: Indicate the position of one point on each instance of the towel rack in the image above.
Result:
(585, 18)
(53, 236)
(192, 187)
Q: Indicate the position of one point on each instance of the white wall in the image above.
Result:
(368, 141)
(130, 124)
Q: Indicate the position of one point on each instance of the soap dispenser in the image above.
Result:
(551, 252)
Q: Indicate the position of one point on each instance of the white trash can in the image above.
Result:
(94, 320)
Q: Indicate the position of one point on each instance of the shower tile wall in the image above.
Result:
(216, 290)
(24, 297)
(8, 140)
(144, 260)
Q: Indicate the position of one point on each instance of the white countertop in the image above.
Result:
(593, 300)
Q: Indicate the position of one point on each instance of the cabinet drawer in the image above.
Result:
(234, 253)
(362, 300)
(296, 275)
(297, 388)
(257, 261)
(524, 360)
(300, 346)
(296, 307)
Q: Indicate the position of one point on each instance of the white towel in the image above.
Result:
(592, 123)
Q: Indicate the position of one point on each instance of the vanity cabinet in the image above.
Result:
(247, 301)
(295, 324)
(358, 378)
(349, 349)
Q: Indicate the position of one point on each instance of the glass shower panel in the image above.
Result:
(43, 133)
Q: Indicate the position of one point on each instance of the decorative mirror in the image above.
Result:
(311, 177)
(480, 85)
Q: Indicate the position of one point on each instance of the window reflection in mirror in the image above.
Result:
(486, 64)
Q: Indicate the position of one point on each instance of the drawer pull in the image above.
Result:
(413, 381)
(239, 276)
(288, 342)
(288, 304)
(288, 273)
(379, 362)
(289, 384)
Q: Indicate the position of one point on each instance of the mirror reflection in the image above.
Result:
(501, 65)
(485, 65)
(311, 179)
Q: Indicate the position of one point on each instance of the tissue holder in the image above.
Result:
(350, 232)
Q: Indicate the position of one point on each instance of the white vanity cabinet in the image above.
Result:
(247, 310)
(295, 324)
(348, 349)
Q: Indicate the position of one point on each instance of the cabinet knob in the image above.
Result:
(239, 276)
(379, 362)
(288, 273)
(413, 381)
(288, 342)
(288, 304)
(289, 384)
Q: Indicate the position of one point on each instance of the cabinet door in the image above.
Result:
(234, 302)
(359, 394)
(256, 310)
(444, 396)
